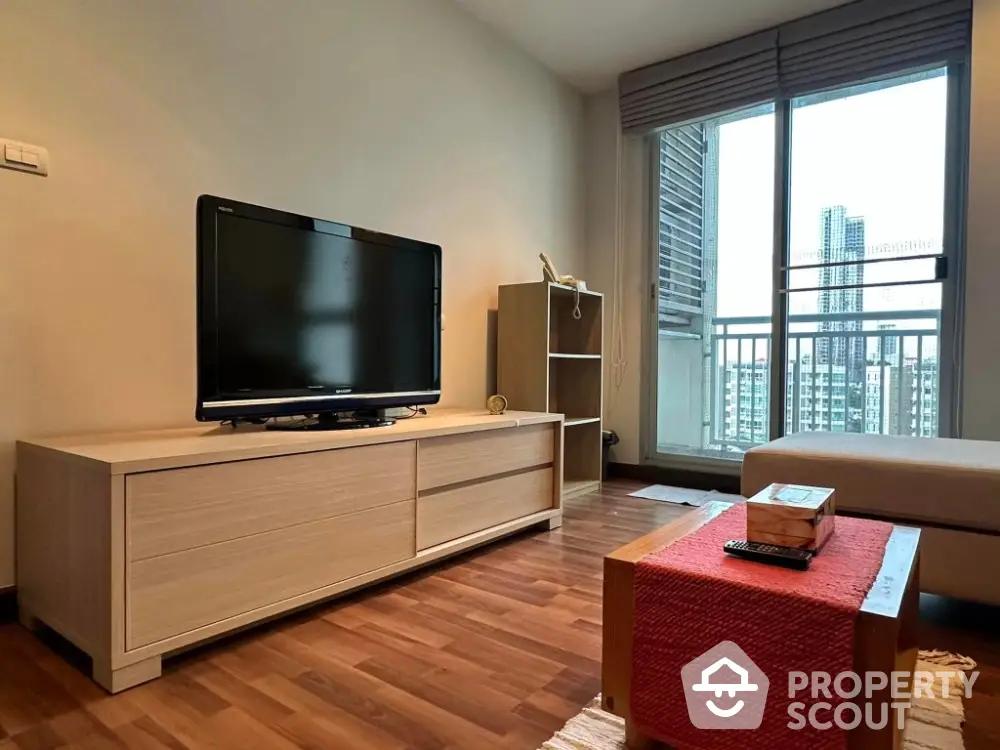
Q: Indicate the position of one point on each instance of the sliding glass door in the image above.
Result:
(713, 263)
(865, 271)
(800, 265)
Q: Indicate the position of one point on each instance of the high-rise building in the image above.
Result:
(842, 241)
(743, 417)
(887, 353)
(919, 397)
(842, 245)
(903, 399)
(881, 410)
(816, 398)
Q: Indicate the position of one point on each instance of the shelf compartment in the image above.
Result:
(569, 335)
(575, 387)
(547, 360)
(582, 459)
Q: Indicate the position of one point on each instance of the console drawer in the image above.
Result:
(461, 458)
(181, 509)
(451, 514)
(177, 593)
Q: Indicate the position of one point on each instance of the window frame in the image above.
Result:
(952, 304)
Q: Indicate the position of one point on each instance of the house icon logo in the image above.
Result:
(725, 689)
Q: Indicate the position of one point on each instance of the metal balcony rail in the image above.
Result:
(874, 372)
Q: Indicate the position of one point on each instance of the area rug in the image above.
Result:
(932, 723)
(683, 496)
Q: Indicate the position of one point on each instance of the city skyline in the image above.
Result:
(899, 400)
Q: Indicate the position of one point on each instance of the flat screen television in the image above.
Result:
(301, 316)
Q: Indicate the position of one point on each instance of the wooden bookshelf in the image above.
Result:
(548, 361)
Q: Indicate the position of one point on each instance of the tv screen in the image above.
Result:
(304, 316)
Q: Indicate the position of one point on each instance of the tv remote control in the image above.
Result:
(786, 557)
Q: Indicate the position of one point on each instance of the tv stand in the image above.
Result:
(335, 421)
(134, 546)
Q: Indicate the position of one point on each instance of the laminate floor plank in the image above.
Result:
(494, 649)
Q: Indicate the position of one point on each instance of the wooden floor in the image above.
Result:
(493, 650)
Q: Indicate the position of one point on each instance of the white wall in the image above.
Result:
(981, 366)
(981, 374)
(403, 116)
(622, 395)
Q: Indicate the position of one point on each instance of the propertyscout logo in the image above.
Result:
(724, 689)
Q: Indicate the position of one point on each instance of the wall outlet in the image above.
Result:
(24, 157)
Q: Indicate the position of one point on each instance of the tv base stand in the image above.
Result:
(334, 422)
(139, 545)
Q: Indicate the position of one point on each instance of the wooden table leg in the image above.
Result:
(636, 740)
(885, 636)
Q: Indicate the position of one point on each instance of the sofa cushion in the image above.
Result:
(930, 480)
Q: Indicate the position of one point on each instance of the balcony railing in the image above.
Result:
(873, 372)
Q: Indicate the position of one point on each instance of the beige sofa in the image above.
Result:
(949, 488)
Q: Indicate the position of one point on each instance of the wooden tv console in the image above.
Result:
(138, 545)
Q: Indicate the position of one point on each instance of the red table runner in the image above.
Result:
(691, 596)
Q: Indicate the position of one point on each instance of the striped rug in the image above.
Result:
(932, 723)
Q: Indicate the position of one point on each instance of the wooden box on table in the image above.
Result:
(791, 515)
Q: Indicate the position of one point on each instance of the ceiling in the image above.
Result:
(589, 42)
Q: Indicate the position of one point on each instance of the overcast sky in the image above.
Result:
(880, 154)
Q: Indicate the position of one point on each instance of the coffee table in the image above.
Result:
(885, 637)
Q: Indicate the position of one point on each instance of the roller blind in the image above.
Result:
(848, 44)
(870, 39)
(732, 75)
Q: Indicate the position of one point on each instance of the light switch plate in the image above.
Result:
(24, 157)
